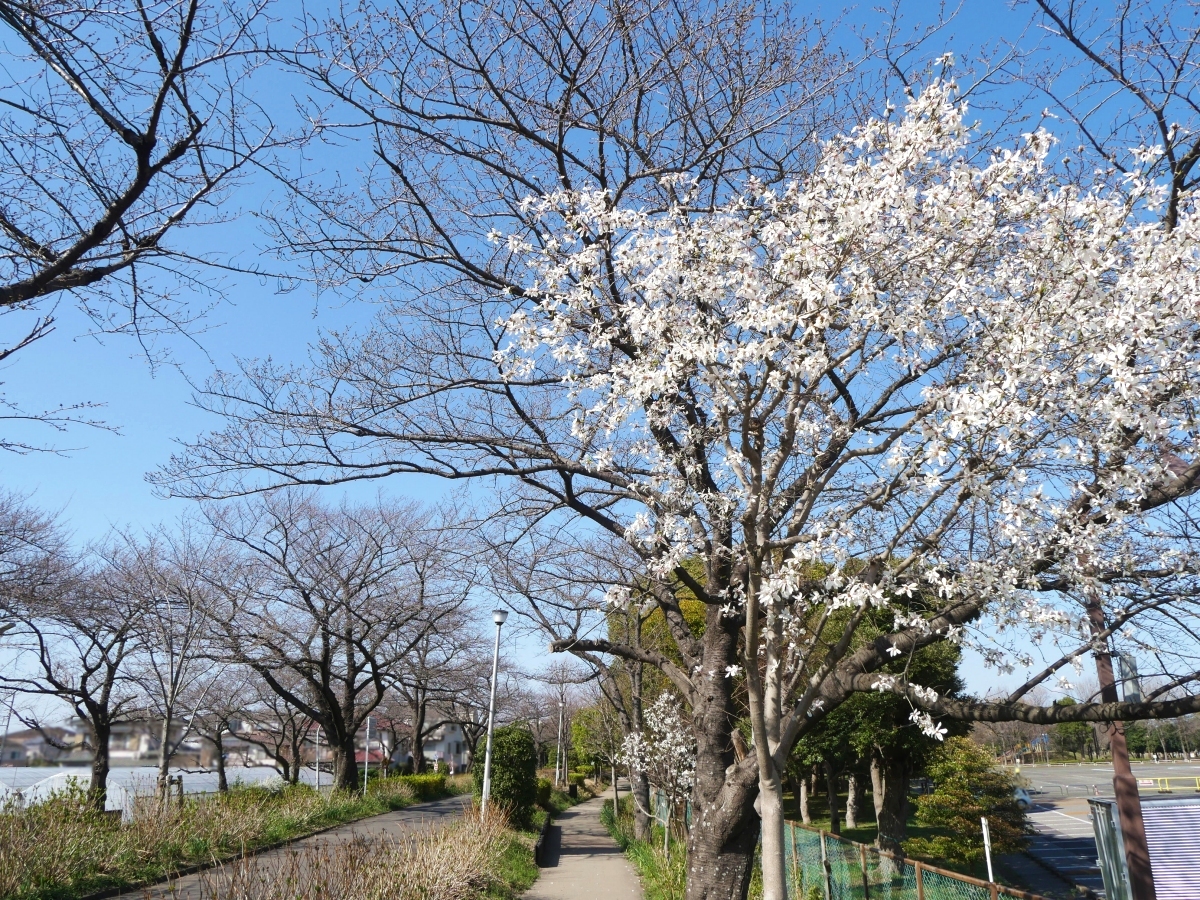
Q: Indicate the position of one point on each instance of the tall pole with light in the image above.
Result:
(498, 616)
(559, 773)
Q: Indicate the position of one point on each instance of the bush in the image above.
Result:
(967, 786)
(514, 772)
(424, 787)
(544, 787)
(577, 779)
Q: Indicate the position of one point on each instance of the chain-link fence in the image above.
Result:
(826, 867)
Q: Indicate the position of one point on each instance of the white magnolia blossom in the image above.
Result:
(913, 379)
(1004, 329)
(665, 751)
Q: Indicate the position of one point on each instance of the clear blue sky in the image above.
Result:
(101, 483)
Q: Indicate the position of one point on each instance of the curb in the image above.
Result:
(539, 846)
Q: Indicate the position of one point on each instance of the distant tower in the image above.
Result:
(1131, 687)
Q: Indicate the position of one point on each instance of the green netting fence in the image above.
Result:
(823, 866)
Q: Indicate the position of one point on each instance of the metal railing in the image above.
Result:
(823, 866)
(1163, 785)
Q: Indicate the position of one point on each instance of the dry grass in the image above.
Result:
(61, 848)
(451, 863)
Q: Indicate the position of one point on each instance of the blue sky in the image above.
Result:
(101, 482)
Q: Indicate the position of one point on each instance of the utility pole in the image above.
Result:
(1129, 804)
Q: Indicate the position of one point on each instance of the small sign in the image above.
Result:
(1145, 782)
(371, 730)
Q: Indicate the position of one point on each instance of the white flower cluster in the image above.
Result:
(665, 750)
(908, 358)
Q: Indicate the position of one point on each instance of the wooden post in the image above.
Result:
(994, 889)
(862, 851)
(920, 882)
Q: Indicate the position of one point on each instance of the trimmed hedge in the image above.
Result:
(425, 787)
(544, 787)
(514, 772)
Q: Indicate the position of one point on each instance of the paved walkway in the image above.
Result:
(412, 818)
(583, 862)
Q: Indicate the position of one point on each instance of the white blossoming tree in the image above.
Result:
(912, 374)
(665, 752)
(909, 373)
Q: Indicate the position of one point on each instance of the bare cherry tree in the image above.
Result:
(74, 638)
(168, 574)
(276, 726)
(327, 604)
(444, 665)
(228, 695)
(121, 124)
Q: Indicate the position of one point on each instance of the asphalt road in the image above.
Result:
(1065, 841)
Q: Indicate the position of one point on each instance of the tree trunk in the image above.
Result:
(297, 755)
(164, 758)
(346, 767)
(640, 788)
(893, 811)
(794, 786)
(832, 798)
(877, 785)
(722, 841)
(805, 815)
(725, 827)
(418, 738)
(98, 789)
(770, 809)
(219, 744)
(853, 799)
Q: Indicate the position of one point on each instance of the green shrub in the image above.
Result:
(544, 787)
(577, 779)
(424, 787)
(967, 786)
(514, 772)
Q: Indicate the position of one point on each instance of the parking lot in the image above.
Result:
(1064, 841)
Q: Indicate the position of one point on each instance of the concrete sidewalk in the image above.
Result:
(412, 818)
(583, 862)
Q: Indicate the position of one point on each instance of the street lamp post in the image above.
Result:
(498, 616)
(558, 753)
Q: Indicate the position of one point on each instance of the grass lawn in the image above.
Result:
(61, 849)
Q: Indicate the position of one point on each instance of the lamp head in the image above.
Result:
(499, 616)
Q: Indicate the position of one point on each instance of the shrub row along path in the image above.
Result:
(417, 817)
(583, 862)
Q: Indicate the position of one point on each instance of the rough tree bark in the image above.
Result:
(853, 798)
(831, 798)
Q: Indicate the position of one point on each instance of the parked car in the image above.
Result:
(1024, 801)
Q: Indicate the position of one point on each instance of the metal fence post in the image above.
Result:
(862, 851)
(828, 879)
(798, 882)
(920, 882)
